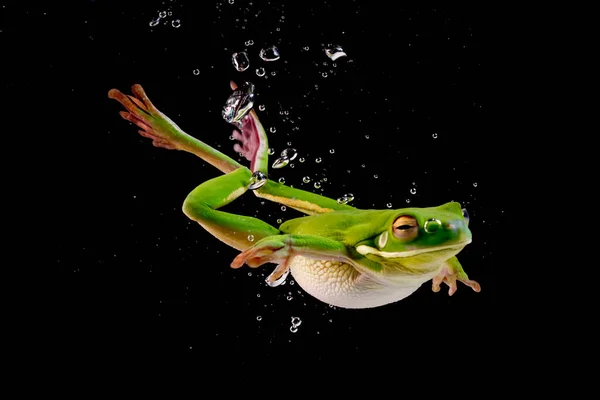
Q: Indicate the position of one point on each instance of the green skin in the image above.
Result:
(366, 240)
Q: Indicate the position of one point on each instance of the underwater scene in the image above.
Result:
(245, 181)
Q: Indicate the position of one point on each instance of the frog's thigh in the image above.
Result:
(238, 231)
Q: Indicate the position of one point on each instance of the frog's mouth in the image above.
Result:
(365, 250)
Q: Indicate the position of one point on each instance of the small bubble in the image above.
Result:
(306, 179)
(257, 180)
(293, 329)
(176, 23)
(162, 14)
(318, 160)
(231, 1)
(258, 318)
(348, 197)
(155, 21)
(196, 71)
(292, 165)
(240, 61)
(334, 52)
(251, 238)
(474, 184)
(261, 107)
(272, 129)
(283, 208)
(257, 294)
(324, 74)
(366, 136)
(435, 135)
(269, 54)
(279, 220)
(331, 151)
(282, 180)
(408, 200)
(432, 225)
(413, 190)
(289, 153)
(280, 162)
(260, 71)
(317, 185)
(249, 273)
(305, 48)
(271, 151)
(289, 298)
(296, 321)
(389, 205)
(375, 176)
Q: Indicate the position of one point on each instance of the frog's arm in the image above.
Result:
(279, 249)
(452, 272)
(254, 147)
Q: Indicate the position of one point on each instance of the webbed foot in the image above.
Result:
(153, 123)
(450, 274)
(253, 144)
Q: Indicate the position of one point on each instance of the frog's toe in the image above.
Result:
(141, 112)
(450, 276)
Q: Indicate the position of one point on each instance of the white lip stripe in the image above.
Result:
(362, 249)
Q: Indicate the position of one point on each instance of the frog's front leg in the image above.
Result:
(451, 272)
(238, 231)
(280, 249)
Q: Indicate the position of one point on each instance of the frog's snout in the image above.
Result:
(459, 229)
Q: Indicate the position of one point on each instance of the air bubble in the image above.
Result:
(432, 225)
(269, 54)
(257, 180)
(240, 61)
(345, 199)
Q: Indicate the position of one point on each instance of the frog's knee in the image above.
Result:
(195, 210)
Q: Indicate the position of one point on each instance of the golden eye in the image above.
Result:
(405, 227)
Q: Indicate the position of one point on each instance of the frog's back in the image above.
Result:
(347, 226)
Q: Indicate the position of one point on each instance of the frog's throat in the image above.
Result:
(364, 250)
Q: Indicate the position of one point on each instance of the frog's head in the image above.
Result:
(414, 241)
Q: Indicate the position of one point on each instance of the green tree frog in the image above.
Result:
(341, 255)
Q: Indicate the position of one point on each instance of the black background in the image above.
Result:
(134, 275)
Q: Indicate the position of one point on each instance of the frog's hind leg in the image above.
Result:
(254, 147)
(165, 133)
(238, 231)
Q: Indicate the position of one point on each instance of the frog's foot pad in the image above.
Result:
(140, 111)
(252, 142)
(450, 276)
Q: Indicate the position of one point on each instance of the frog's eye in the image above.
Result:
(405, 227)
(465, 215)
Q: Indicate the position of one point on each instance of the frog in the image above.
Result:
(339, 254)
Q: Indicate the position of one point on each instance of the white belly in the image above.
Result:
(341, 285)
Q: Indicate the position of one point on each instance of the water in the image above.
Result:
(415, 132)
